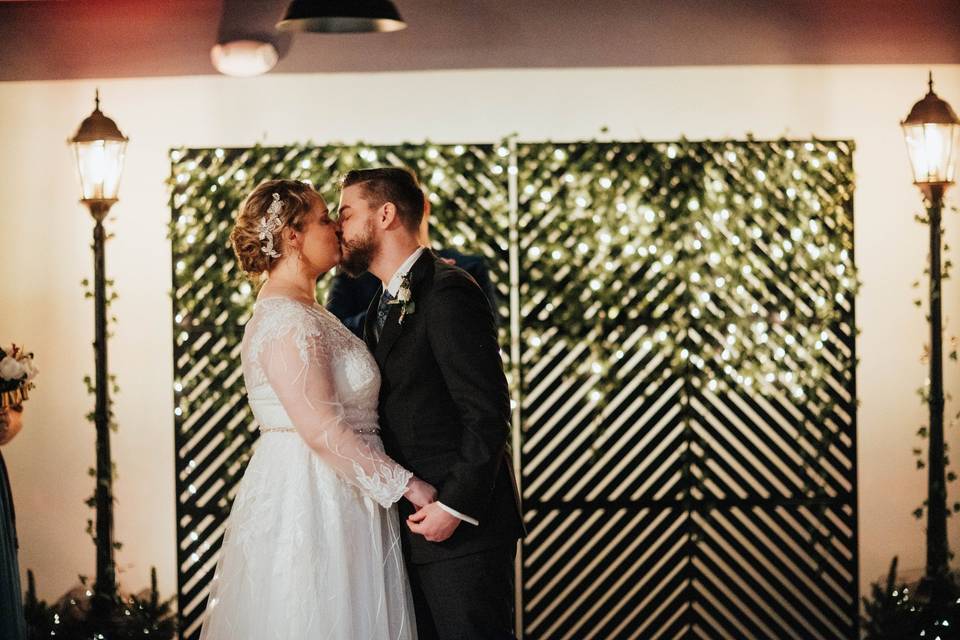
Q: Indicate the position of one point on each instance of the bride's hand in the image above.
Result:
(11, 421)
(420, 493)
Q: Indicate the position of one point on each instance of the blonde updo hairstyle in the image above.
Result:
(298, 200)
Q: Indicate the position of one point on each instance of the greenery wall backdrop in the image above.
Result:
(677, 325)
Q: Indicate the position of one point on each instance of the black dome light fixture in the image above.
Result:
(342, 16)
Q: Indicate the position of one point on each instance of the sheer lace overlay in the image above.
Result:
(326, 385)
(312, 547)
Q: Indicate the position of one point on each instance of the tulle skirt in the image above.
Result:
(307, 556)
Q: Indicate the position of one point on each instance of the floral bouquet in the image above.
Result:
(17, 372)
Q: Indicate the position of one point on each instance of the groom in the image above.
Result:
(444, 409)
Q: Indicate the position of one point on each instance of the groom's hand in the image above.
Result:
(433, 523)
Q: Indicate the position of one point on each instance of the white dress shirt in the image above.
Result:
(393, 287)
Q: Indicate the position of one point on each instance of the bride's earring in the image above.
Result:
(293, 265)
(298, 266)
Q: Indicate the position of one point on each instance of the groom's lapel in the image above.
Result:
(392, 327)
(370, 319)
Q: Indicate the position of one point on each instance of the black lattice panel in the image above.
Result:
(688, 395)
(684, 373)
(215, 430)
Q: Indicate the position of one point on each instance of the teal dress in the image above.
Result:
(12, 624)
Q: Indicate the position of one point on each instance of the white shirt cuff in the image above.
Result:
(468, 519)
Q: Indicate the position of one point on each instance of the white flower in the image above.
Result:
(29, 368)
(404, 299)
(10, 369)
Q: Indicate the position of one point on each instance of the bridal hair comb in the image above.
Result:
(269, 225)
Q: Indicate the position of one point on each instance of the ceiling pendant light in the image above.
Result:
(341, 16)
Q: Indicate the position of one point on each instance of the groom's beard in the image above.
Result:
(356, 255)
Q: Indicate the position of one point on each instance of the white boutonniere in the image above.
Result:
(407, 305)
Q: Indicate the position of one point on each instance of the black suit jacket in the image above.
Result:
(445, 407)
(349, 297)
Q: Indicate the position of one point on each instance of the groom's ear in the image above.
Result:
(388, 215)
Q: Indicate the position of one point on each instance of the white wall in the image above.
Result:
(44, 234)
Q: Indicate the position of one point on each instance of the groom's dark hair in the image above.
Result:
(390, 184)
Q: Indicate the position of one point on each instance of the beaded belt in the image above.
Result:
(373, 431)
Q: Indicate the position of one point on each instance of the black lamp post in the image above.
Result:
(99, 148)
(932, 133)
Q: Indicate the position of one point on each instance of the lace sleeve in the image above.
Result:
(297, 366)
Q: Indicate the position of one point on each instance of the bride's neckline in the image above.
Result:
(289, 299)
(317, 309)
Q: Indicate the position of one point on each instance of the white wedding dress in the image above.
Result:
(312, 547)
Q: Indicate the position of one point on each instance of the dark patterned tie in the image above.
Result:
(382, 310)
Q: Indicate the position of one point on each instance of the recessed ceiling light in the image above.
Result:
(244, 58)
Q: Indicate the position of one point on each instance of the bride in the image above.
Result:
(312, 547)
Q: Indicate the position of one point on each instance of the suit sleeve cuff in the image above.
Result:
(457, 514)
